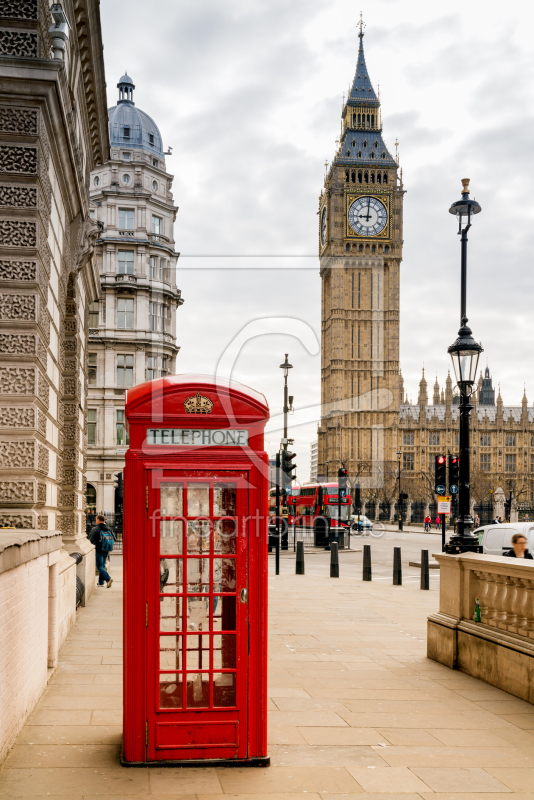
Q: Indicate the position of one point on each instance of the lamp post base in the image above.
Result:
(463, 541)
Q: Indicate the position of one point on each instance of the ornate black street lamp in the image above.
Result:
(465, 353)
(286, 366)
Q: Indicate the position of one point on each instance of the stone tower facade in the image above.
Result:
(360, 247)
(132, 328)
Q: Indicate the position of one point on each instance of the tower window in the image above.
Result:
(383, 154)
(354, 120)
(126, 132)
(365, 142)
(126, 156)
(359, 177)
(366, 177)
(354, 142)
(376, 143)
(353, 177)
(346, 176)
(386, 249)
(155, 162)
(359, 119)
(378, 177)
(151, 138)
(359, 153)
(373, 248)
(385, 177)
(347, 247)
(360, 248)
(348, 153)
(372, 177)
(372, 120)
(372, 154)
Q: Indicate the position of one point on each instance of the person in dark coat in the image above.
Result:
(101, 554)
(519, 547)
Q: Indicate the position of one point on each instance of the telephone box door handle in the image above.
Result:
(244, 595)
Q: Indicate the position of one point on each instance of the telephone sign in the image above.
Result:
(195, 574)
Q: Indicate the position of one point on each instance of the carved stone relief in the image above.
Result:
(43, 458)
(17, 380)
(19, 43)
(18, 196)
(16, 492)
(18, 120)
(18, 344)
(17, 520)
(14, 158)
(17, 455)
(22, 417)
(18, 270)
(42, 522)
(18, 306)
(18, 233)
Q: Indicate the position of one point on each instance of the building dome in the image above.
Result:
(131, 127)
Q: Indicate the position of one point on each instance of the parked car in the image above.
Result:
(360, 524)
(496, 539)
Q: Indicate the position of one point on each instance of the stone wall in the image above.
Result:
(29, 623)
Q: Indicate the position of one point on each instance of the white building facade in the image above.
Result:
(314, 460)
(132, 327)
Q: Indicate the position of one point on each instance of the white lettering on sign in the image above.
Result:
(193, 437)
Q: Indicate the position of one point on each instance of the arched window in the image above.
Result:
(348, 153)
(376, 143)
(354, 120)
(359, 177)
(359, 153)
(359, 119)
(372, 120)
(347, 247)
(372, 153)
(360, 248)
(346, 176)
(354, 142)
(372, 177)
(366, 177)
(368, 120)
(385, 177)
(365, 142)
(378, 177)
(383, 153)
(373, 248)
(386, 249)
(353, 177)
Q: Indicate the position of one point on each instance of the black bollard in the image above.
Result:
(299, 569)
(334, 560)
(397, 568)
(367, 575)
(425, 577)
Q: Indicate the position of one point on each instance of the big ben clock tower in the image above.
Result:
(360, 248)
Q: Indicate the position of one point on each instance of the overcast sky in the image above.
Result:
(248, 93)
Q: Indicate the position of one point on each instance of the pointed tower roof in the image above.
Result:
(423, 394)
(362, 88)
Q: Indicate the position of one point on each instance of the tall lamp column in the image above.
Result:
(464, 353)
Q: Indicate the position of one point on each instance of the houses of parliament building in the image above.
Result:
(366, 422)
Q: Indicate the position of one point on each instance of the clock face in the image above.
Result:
(323, 226)
(368, 216)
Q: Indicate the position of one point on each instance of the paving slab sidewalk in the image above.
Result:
(355, 708)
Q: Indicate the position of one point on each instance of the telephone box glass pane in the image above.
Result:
(171, 578)
(198, 690)
(224, 685)
(224, 613)
(198, 575)
(171, 533)
(224, 653)
(170, 614)
(224, 536)
(224, 575)
(171, 499)
(198, 651)
(198, 536)
(224, 500)
(198, 613)
(171, 690)
(170, 652)
(198, 499)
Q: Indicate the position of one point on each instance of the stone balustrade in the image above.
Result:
(500, 648)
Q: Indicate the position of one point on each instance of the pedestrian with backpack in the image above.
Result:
(103, 539)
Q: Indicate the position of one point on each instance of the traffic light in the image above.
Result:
(342, 474)
(287, 466)
(441, 474)
(454, 473)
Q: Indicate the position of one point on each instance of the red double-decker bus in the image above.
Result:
(292, 500)
(317, 509)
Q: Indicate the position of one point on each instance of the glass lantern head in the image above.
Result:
(465, 353)
(286, 366)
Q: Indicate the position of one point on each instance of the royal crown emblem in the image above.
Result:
(198, 404)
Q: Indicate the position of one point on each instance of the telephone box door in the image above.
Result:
(197, 615)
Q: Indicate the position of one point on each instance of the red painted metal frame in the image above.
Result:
(159, 404)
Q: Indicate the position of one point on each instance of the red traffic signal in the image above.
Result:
(440, 464)
(440, 459)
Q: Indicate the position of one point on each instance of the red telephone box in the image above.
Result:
(195, 574)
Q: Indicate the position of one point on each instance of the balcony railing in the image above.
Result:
(127, 233)
(125, 278)
(158, 237)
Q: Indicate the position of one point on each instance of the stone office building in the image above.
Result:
(53, 132)
(132, 327)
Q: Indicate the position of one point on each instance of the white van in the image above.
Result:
(496, 539)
